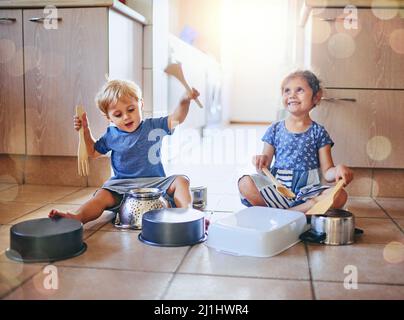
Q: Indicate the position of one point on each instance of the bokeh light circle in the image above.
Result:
(378, 148)
(396, 41)
(383, 13)
(394, 252)
(341, 46)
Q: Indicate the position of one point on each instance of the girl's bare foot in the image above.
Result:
(57, 214)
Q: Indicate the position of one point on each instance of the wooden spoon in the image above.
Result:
(175, 69)
(279, 187)
(322, 206)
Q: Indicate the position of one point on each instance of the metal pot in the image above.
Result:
(199, 197)
(136, 203)
(173, 227)
(335, 227)
(46, 240)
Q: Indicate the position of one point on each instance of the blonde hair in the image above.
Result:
(114, 90)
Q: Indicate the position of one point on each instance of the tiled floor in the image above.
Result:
(117, 265)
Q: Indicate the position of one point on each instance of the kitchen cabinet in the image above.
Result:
(66, 66)
(368, 131)
(362, 73)
(355, 58)
(12, 128)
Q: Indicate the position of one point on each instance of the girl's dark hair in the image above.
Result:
(309, 76)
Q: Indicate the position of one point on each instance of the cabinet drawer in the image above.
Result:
(367, 133)
(367, 57)
(12, 124)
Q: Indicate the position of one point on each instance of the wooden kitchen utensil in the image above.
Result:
(279, 187)
(82, 155)
(322, 206)
(175, 69)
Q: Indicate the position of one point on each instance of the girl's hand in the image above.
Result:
(260, 161)
(79, 123)
(191, 95)
(343, 172)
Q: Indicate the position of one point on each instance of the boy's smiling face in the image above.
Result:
(297, 96)
(126, 114)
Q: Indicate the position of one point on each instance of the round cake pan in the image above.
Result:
(173, 227)
(45, 240)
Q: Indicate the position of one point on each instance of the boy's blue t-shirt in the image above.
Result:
(297, 151)
(136, 154)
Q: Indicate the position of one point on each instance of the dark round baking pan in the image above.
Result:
(45, 240)
(173, 227)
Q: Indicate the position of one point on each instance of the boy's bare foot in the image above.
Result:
(57, 214)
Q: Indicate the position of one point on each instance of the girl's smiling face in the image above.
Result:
(126, 114)
(297, 96)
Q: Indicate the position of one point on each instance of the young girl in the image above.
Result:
(135, 144)
(302, 150)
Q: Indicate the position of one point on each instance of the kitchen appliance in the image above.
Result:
(137, 202)
(46, 240)
(199, 197)
(173, 227)
(335, 227)
(257, 231)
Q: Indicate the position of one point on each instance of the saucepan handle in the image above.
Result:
(313, 236)
(358, 232)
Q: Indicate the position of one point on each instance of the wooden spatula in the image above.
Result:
(82, 155)
(322, 206)
(279, 187)
(175, 69)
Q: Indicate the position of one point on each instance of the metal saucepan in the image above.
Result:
(46, 240)
(173, 227)
(335, 227)
(199, 197)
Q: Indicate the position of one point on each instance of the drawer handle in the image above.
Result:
(335, 19)
(41, 20)
(8, 20)
(327, 19)
(338, 99)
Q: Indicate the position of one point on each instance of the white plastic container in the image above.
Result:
(257, 232)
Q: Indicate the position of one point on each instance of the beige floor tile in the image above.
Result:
(4, 186)
(230, 203)
(400, 223)
(4, 237)
(123, 250)
(393, 206)
(11, 211)
(337, 291)
(364, 207)
(328, 263)
(84, 283)
(381, 231)
(13, 274)
(78, 197)
(290, 264)
(229, 288)
(35, 193)
(213, 201)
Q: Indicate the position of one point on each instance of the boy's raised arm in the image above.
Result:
(181, 112)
